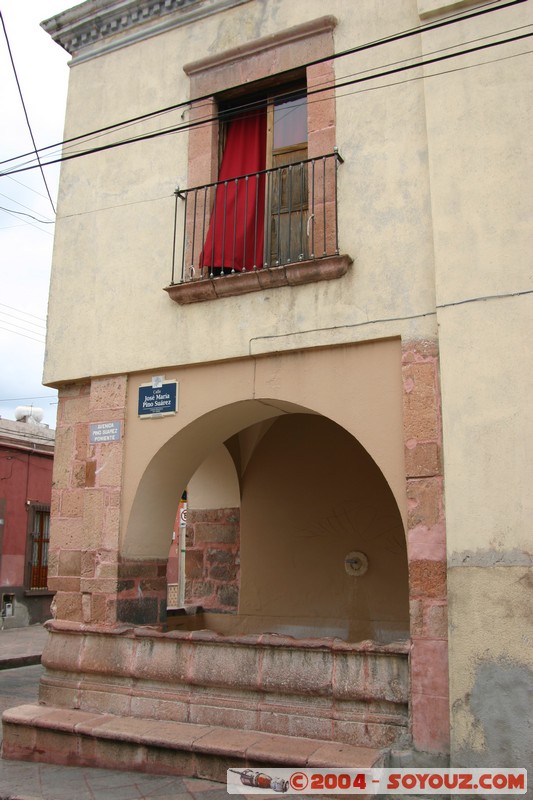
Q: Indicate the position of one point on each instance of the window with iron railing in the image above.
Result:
(262, 220)
(271, 206)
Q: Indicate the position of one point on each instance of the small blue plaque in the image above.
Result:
(159, 400)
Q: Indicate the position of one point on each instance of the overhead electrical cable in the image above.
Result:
(25, 111)
(21, 311)
(40, 341)
(27, 222)
(25, 185)
(12, 200)
(23, 214)
(37, 397)
(453, 19)
(36, 328)
(22, 328)
(343, 84)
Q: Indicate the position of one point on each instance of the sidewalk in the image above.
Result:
(22, 647)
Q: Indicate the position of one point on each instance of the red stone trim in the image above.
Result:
(254, 60)
(325, 269)
(426, 546)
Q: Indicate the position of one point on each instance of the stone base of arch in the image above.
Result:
(97, 585)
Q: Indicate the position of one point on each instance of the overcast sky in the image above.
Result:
(25, 244)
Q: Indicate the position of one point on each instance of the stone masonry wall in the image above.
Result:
(426, 547)
(92, 584)
(212, 558)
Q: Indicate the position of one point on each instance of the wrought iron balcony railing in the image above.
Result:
(264, 220)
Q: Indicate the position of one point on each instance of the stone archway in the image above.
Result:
(114, 502)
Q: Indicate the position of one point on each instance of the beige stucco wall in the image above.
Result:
(114, 235)
(480, 161)
(215, 483)
(161, 455)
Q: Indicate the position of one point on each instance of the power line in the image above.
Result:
(28, 208)
(352, 82)
(344, 94)
(40, 341)
(26, 222)
(25, 111)
(22, 328)
(24, 324)
(20, 311)
(25, 321)
(453, 19)
(37, 397)
(25, 185)
(23, 214)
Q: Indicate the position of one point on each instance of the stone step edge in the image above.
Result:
(250, 746)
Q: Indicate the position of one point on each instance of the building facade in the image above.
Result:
(26, 463)
(294, 264)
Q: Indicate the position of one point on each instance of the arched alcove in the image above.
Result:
(311, 496)
(154, 503)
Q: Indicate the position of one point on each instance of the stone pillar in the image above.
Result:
(426, 545)
(212, 558)
(92, 583)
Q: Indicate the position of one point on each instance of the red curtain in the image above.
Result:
(235, 238)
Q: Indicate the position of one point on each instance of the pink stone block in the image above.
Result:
(107, 655)
(429, 618)
(321, 142)
(168, 762)
(427, 544)
(295, 671)
(108, 392)
(174, 734)
(427, 579)
(207, 713)
(239, 283)
(429, 667)
(345, 755)
(296, 725)
(281, 750)
(371, 676)
(165, 661)
(431, 723)
(371, 734)
(226, 741)
(191, 292)
(23, 715)
(231, 667)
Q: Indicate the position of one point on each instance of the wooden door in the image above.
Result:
(287, 186)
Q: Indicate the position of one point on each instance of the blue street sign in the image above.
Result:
(154, 401)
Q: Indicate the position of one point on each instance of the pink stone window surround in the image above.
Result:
(302, 50)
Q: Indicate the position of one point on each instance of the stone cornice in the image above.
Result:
(98, 26)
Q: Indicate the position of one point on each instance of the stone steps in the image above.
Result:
(82, 738)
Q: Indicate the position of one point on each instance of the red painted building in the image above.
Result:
(26, 461)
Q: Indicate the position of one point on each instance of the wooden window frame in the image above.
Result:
(43, 542)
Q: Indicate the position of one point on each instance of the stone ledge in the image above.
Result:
(312, 271)
(59, 735)
(212, 637)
